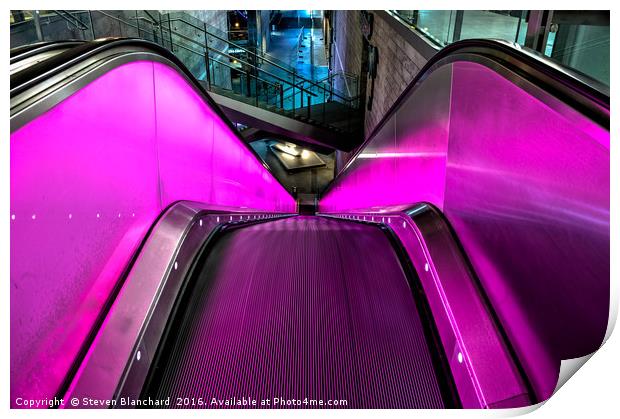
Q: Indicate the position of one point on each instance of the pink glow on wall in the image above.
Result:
(409, 168)
(88, 178)
(528, 195)
(524, 181)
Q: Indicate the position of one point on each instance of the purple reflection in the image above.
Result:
(88, 178)
(524, 182)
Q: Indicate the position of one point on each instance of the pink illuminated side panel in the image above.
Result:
(88, 179)
(524, 182)
(412, 169)
(527, 191)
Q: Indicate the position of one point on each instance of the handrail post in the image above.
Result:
(324, 105)
(92, 24)
(248, 84)
(294, 93)
(349, 118)
(256, 90)
(37, 25)
(137, 24)
(207, 70)
(170, 32)
(161, 32)
(282, 96)
(309, 104)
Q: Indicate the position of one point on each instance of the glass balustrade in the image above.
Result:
(222, 66)
(577, 39)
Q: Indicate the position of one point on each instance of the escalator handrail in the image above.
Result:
(586, 95)
(48, 68)
(43, 70)
(570, 79)
(25, 51)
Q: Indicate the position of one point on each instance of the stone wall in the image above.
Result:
(398, 61)
(398, 64)
(347, 47)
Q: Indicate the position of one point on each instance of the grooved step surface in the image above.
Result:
(305, 307)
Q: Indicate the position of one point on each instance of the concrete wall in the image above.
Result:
(217, 24)
(263, 29)
(217, 19)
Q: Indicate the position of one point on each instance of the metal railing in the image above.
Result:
(223, 66)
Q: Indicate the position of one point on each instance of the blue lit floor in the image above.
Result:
(309, 63)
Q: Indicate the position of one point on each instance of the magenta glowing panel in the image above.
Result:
(524, 181)
(88, 179)
(408, 169)
(527, 191)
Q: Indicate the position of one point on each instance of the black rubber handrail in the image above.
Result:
(25, 51)
(43, 70)
(577, 90)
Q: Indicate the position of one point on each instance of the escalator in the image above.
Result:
(172, 266)
(304, 309)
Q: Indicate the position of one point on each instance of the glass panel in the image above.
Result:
(220, 65)
(445, 26)
(509, 25)
(582, 47)
(438, 25)
(579, 40)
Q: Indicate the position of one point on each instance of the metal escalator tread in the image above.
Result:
(305, 307)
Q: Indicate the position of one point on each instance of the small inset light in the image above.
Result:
(12, 216)
(98, 215)
(133, 214)
(459, 357)
(404, 224)
(231, 218)
(200, 222)
(426, 267)
(34, 216)
(176, 265)
(389, 220)
(217, 219)
(70, 216)
(119, 215)
(138, 355)
(305, 154)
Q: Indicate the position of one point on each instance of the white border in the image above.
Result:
(592, 393)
